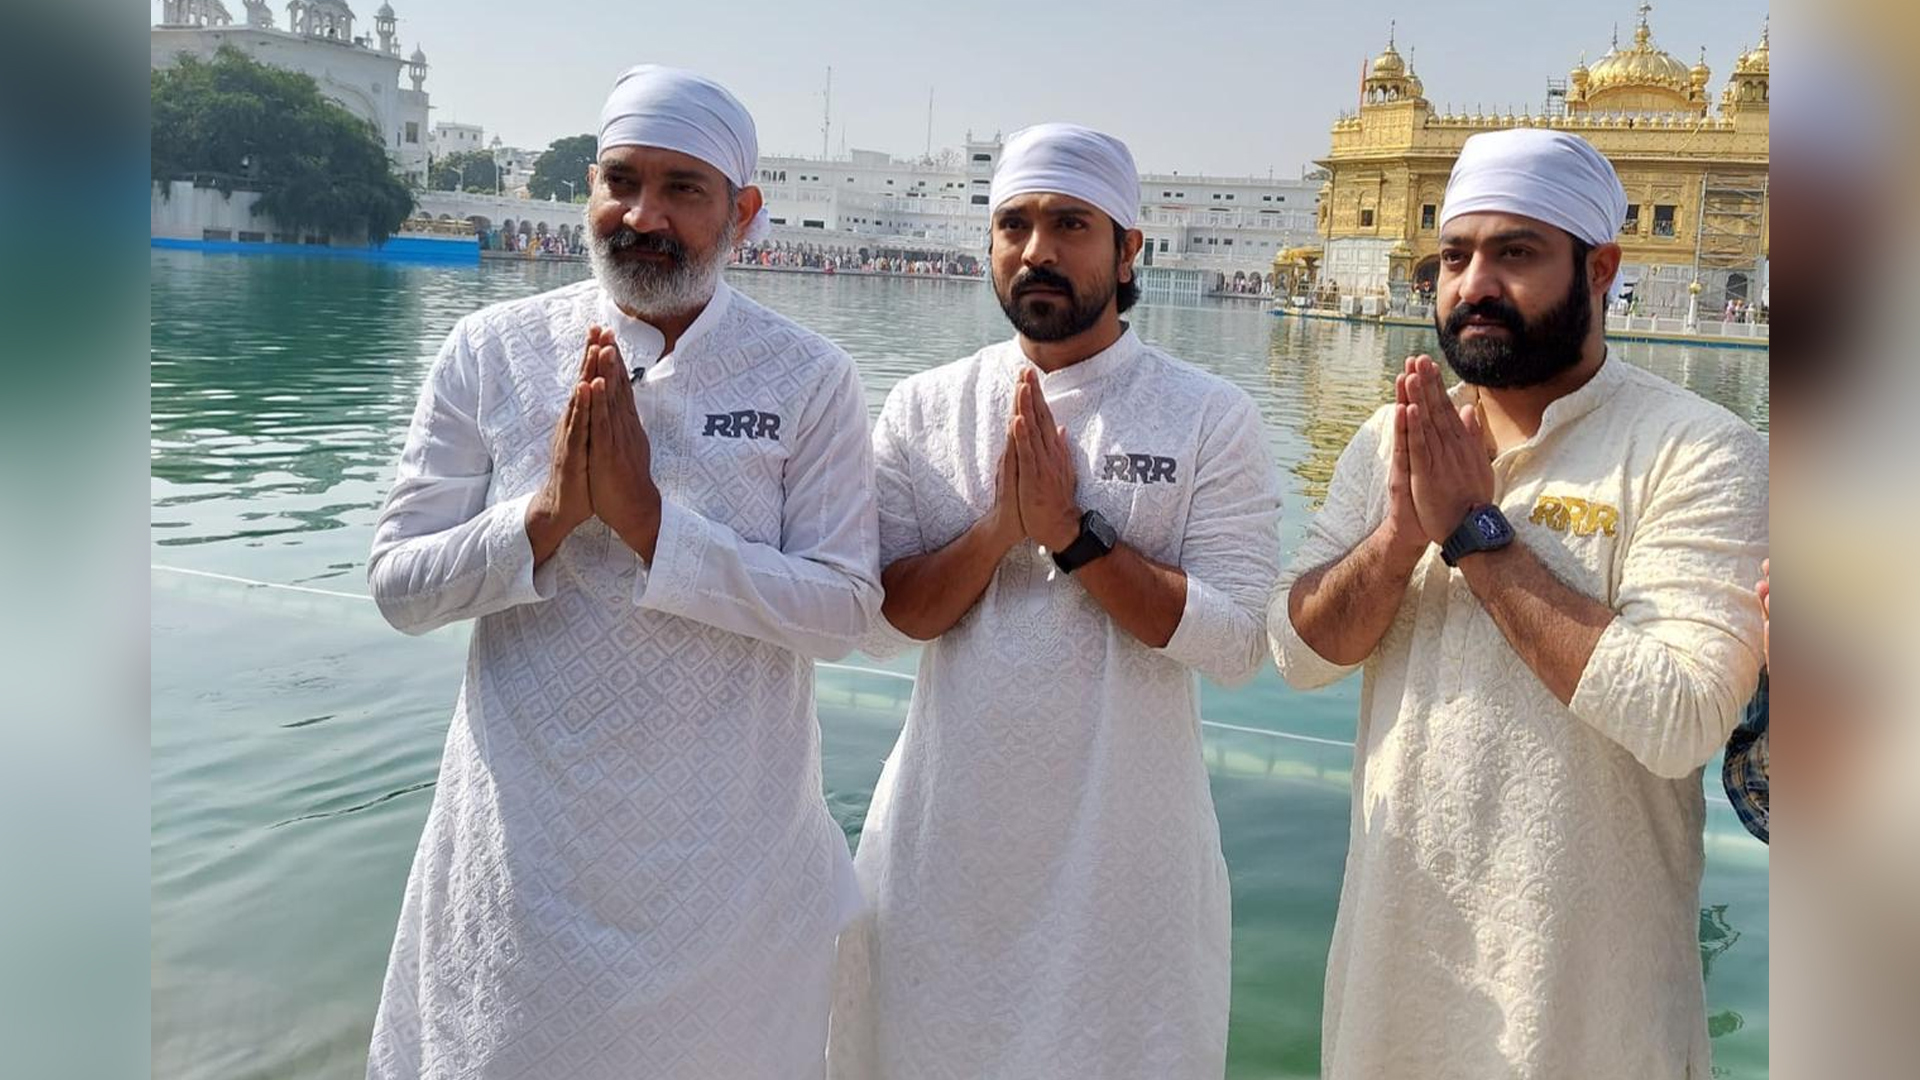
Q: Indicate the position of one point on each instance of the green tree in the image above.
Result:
(566, 160)
(238, 125)
(468, 170)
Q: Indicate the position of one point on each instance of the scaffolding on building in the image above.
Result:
(1730, 239)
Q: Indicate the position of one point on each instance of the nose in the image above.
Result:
(1478, 281)
(645, 214)
(1040, 249)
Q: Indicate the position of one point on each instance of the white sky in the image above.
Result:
(1199, 86)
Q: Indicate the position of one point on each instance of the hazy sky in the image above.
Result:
(1232, 86)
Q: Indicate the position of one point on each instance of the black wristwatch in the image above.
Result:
(1485, 529)
(1096, 539)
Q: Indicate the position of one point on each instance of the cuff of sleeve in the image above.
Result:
(1205, 608)
(668, 584)
(883, 641)
(1612, 653)
(1300, 666)
(510, 553)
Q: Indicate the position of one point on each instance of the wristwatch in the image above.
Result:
(1485, 529)
(1096, 539)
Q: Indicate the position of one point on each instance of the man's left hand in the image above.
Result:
(1451, 473)
(619, 455)
(1044, 461)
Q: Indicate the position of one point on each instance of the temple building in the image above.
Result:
(1694, 166)
(361, 72)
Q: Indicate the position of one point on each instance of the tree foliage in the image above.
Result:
(236, 124)
(566, 160)
(468, 170)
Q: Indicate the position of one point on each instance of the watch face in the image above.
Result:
(1102, 531)
(1491, 526)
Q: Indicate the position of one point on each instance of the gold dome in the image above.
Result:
(1756, 61)
(1642, 65)
(1389, 65)
(1701, 72)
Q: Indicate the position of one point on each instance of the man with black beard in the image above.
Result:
(654, 499)
(1542, 573)
(1074, 523)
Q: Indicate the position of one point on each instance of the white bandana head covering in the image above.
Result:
(1549, 176)
(671, 109)
(1067, 159)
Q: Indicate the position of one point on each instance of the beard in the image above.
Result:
(1532, 353)
(1051, 317)
(653, 289)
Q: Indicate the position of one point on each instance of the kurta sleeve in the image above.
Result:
(1231, 551)
(1672, 673)
(900, 536)
(1356, 504)
(441, 553)
(819, 590)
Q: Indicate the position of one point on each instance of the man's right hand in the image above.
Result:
(562, 504)
(1404, 540)
(1002, 521)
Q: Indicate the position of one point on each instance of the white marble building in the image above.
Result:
(362, 72)
(1222, 224)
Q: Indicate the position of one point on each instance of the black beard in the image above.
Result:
(1051, 318)
(1532, 353)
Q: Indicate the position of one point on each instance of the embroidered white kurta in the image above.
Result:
(1047, 896)
(629, 868)
(1521, 895)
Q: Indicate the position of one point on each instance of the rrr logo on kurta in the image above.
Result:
(1564, 513)
(1138, 469)
(743, 424)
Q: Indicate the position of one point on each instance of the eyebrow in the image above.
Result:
(1506, 236)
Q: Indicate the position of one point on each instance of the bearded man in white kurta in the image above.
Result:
(1074, 522)
(653, 497)
(1543, 575)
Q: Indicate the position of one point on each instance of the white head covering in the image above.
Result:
(1067, 159)
(677, 110)
(1550, 176)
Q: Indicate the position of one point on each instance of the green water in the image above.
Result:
(296, 736)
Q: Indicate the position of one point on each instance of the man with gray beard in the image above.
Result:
(654, 499)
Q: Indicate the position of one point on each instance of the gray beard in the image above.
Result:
(652, 292)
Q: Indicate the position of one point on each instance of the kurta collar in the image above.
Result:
(640, 344)
(1114, 357)
(1565, 410)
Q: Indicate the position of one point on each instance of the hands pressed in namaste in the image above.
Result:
(1441, 470)
(602, 460)
(1043, 468)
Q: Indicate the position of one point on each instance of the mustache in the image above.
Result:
(623, 240)
(1035, 277)
(1500, 311)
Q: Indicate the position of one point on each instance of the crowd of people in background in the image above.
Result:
(537, 245)
(829, 258)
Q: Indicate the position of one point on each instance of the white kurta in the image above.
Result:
(629, 868)
(1522, 884)
(1047, 896)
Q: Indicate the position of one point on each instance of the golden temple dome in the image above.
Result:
(1643, 65)
(1389, 65)
(1756, 61)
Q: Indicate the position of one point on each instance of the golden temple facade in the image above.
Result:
(1695, 170)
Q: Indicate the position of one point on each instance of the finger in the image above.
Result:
(1400, 388)
(1419, 446)
(598, 416)
(575, 423)
(587, 360)
(1470, 423)
(1022, 450)
(1401, 437)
